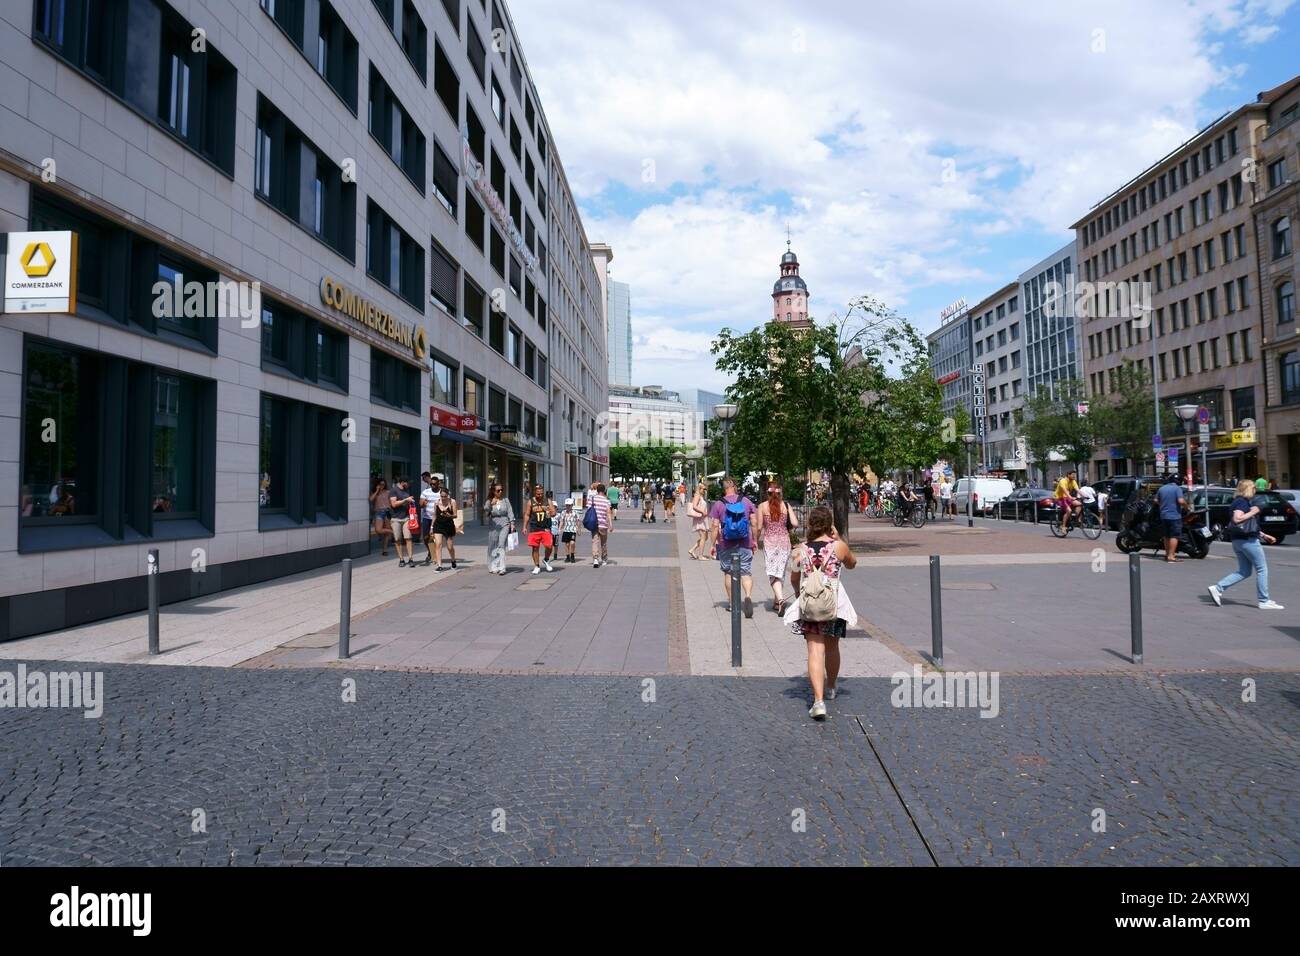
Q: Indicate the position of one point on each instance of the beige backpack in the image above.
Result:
(818, 594)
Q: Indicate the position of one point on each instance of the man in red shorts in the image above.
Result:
(540, 513)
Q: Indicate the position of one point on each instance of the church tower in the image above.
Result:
(790, 293)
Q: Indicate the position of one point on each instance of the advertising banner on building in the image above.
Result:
(40, 272)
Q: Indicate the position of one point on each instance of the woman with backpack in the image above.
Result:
(775, 522)
(822, 613)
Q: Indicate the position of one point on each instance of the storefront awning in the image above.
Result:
(450, 434)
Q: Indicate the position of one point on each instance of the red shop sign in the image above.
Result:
(456, 421)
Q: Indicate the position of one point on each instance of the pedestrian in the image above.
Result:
(1246, 536)
(380, 513)
(502, 514)
(1261, 483)
(444, 526)
(945, 495)
(636, 494)
(864, 498)
(569, 532)
(614, 495)
(822, 613)
(699, 515)
(600, 531)
(428, 504)
(670, 502)
(775, 522)
(1170, 501)
(732, 518)
(647, 506)
(1103, 498)
(929, 498)
(539, 529)
(402, 506)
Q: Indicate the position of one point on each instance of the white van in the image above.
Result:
(988, 492)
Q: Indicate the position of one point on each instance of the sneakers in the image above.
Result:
(402, 563)
(1216, 595)
(595, 562)
(547, 565)
(1270, 606)
(818, 710)
(453, 564)
(830, 693)
(537, 570)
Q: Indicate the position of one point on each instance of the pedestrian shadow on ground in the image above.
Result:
(1291, 632)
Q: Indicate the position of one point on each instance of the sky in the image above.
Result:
(920, 153)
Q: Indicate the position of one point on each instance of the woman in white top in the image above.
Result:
(699, 513)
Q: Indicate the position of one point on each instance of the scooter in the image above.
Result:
(1141, 528)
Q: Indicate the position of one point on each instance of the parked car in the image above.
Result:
(1020, 505)
(988, 492)
(1121, 490)
(1277, 516)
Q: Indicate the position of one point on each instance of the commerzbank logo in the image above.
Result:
(37, 259)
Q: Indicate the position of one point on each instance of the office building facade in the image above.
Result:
(382, 175)
(1184, 230)
(620, 333)
(996, 327)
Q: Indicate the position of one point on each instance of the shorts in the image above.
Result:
(729, 556)
(426, 525)
(401, 532)
(1173, 527)
(540, 539)
(614, 505)
(1065, 504)
(568, 536)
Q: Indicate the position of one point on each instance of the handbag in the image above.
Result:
(512, 541)
(413, 522)
(459, 521)
(1246, 530)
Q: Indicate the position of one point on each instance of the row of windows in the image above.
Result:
(302, 464)
(456, 388)
(1212, 154)
(1204, 306)
(316, 30)
(1205, 356)
(112, 450)
(1002, 338)
(1201, 211)
(1003, 310)
(187, 92)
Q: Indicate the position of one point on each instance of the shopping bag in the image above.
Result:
(413, 521)
(459, 521)
(512, 541)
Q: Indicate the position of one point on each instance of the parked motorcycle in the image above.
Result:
(1141, 528)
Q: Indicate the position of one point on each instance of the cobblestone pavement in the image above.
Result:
(582, 770)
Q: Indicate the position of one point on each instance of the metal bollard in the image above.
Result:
(152, 585)
(1135, 605)
(345, 609)
(936, 612)
(735, 615)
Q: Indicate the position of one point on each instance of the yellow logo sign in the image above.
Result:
(29, 262)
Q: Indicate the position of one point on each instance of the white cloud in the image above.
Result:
(896, 142)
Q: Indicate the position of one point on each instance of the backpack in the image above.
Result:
(735, 523)
(818, 594)
(590, 521)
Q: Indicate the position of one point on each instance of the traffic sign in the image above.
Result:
(1157, 442)
(1205, 432)
(1160, 461)
(1203, 415)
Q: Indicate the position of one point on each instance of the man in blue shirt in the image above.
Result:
(1170, 501)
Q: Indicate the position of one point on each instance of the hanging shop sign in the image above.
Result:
(600, 459)
(978, 408)
(950, 377)
(456, 421)
(570, 447)
(473, 171)
(335, 295)
(40, 270)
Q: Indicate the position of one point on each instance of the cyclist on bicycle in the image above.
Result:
(907, 500)
(1067, 497)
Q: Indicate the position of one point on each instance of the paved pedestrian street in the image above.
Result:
(591, 716)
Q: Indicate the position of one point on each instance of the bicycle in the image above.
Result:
(1086, 521)
(912, 512)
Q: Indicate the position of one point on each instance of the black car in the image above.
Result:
(1277, 516)
(1020, 505)
(1123, 488)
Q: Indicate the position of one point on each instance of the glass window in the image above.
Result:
(443, 384)
(1290, 376)
(271, 454)
(1286, 302)
(175, 450)
(473, 400)
(1282, 237)
(60, 434)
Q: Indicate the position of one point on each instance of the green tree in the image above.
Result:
(836, 396)
(1052, 423)
(648, 460)
(1126, 418)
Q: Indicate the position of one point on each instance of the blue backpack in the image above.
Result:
(590, 521)
(735, 523)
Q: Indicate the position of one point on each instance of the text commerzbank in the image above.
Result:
(340, 298)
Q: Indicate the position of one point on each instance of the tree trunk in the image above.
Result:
(840, 503)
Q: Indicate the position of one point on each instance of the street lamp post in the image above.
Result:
(680, 458)
(968, 440)
(704, 450)
(726, 414)
(1186, 413)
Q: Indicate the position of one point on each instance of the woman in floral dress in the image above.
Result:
(775, 522)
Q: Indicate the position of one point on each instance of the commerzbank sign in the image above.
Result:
(338, 297)
(473, 171)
